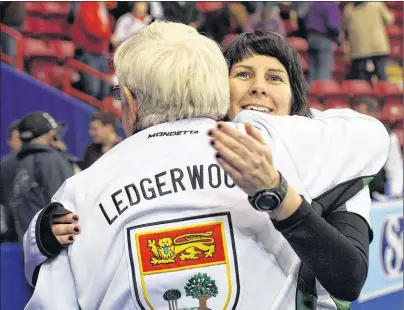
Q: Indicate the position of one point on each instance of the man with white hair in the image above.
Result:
(163, 226)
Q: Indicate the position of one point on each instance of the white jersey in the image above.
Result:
(164, 227)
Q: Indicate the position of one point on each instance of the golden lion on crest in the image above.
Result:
(188, 245)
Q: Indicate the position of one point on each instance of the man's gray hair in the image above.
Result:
(174, 72)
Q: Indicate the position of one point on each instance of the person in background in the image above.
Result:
(298, 17)
(156, 10)
(323, 24)
(61, 146)
(131, 22)
(365, 26)
(41, 169)
(389, 181)
(180, 11)
(266, 18)
(92, 32)
(12, 15)
(103, 130)
(216, 18)
(8, 168)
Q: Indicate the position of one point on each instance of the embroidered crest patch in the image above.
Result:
(184, 264)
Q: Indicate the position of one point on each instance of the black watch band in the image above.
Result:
(269, 200)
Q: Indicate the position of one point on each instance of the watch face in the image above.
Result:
(268, 202)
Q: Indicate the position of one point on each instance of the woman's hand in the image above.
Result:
(65, 228)
(245, 157)
(248, 160)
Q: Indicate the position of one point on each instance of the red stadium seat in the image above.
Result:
(288, 26)
(339, 69)
(36, 48)
(298, 43)
(385, 88)
(34, 8)
(396, 47)
(395, 31)
(392, 112)
(356, 88)
(315, 104)
(62, 49)
(394, 5)
(398, 18)
(54, 28)
(52, 75)
(60, 9)
(328, 90)
(303, 63)
(390, 93)
(32, 25)
(335, 104)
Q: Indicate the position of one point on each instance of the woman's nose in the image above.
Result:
(259, 88)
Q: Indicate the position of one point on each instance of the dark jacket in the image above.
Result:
(41, 171)
(8, 168)
(12, 13)
(175, 12)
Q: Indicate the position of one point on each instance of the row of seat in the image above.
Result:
(391, 113)
(47, 9)
(349, 88)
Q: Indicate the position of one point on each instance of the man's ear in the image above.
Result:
(129, 109)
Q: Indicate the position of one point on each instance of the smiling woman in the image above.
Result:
(265, 75)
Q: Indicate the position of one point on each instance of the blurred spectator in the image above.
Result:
(41, 169)
(60, 146)
(238, 16)
(216, 19)
(180, 11)
(365, 25)
(103, 130)
(323, 24)
(13, 16)
(389, 181)
(266, 18)
(92, 32)
(121, 8)
(156, 10)
(7, 174)
(298, 17)
(72, 11)
(131, 22)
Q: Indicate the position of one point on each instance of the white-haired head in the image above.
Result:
(174, 72)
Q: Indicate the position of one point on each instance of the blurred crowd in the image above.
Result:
(97, 28)
(38, 163)
(36, 141)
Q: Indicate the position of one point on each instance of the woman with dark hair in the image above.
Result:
(266, 55)
(265, 75)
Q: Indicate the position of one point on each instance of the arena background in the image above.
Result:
(41, 71)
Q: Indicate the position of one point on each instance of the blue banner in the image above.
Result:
(384, 285)
(21, 94)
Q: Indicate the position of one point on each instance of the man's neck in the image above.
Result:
(110, 143)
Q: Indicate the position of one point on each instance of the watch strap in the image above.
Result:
(279, 192)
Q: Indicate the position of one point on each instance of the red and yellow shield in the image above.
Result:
(185, 263)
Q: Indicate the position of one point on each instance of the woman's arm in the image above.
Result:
(334, 249)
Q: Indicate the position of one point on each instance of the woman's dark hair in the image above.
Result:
(274, 45)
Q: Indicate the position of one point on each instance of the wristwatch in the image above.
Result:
(269, 200)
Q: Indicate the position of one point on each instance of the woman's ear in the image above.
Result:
(129, 109)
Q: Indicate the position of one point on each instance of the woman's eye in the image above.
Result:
(243, 74)
(275, 78)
